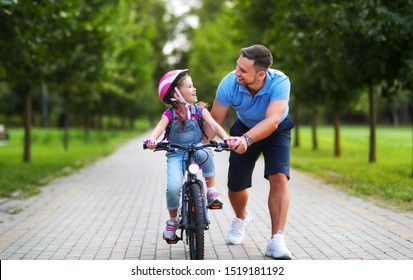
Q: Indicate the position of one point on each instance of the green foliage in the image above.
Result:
(331, 50)
(29, 31)
(94, 52)
(215, 53)
(105, 57)
(95, 57)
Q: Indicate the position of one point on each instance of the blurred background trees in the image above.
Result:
(96, 63)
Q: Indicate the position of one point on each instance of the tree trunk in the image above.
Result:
(131, 122)
(65, 122)
(110, 122)
(314, 118)
(99, 121)
(27, 126)
(45, 105)
(297, 125)
(123, 122)
(395, 117)
(372, 123)
(337, 148)
(86, 127)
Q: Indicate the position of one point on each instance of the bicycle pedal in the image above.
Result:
(172, 241)
(215, 206)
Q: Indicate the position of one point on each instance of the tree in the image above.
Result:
(377, 36)
(99, 55)
(135, 60)
(30, 28)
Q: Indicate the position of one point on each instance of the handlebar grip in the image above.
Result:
(224, 145)
(159, 145)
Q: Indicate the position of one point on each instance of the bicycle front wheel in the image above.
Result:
(196, 223)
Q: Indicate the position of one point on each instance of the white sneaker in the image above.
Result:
(277, 249)
(236, 233)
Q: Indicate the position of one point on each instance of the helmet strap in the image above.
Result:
(182, 100)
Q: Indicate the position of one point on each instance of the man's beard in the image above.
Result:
(244, 83)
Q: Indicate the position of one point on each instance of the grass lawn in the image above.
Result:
(388, 181)
(49, 159)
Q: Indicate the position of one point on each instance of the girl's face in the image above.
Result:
(187, 89)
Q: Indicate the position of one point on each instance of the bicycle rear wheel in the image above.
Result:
(196, 223)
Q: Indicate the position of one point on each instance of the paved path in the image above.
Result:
(115, 209)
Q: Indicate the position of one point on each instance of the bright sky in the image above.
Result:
(179, 7)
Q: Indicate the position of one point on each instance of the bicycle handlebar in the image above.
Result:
(168, 146)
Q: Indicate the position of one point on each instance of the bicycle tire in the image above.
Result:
(196, 228)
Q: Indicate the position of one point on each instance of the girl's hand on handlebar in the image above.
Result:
(151, 144)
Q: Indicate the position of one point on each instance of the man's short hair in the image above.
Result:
(261, 56)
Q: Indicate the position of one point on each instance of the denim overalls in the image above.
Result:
(190, 134)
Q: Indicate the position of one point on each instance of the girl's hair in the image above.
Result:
(202, 104)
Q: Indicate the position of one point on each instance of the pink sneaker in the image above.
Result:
(171, 227)
(214, 200)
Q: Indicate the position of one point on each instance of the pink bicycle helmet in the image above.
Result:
(168, 82)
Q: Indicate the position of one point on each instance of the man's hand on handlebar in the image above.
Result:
(238, 144)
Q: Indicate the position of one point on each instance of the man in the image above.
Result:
(260, 98)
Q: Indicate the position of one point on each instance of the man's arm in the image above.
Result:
(267, 126)
(218, 113)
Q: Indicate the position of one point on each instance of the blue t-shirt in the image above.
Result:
(251, 110)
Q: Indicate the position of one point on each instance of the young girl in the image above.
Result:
(176, 89)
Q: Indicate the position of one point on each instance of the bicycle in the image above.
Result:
(194, 217)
